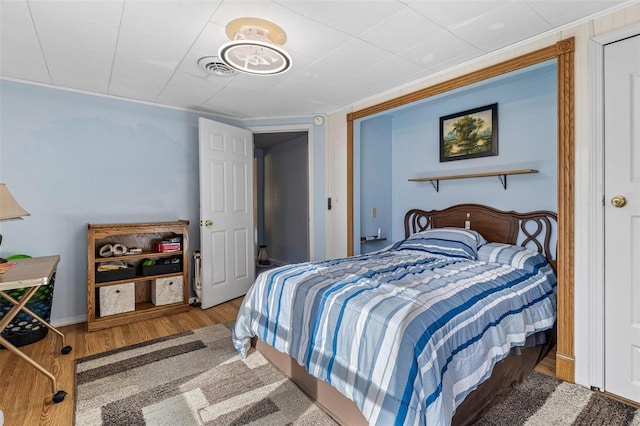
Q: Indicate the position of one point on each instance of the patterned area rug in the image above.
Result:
(542, 401)
(193, 378)
(197, 378)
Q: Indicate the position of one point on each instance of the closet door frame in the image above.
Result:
(563, 52)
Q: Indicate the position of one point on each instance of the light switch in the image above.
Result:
(374, 212)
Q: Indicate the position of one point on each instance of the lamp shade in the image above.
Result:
(9, 207)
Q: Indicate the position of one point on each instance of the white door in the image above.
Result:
(226, 212)
(622, 222)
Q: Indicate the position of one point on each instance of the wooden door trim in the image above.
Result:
(563, 52)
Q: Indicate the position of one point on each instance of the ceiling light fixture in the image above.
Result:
(255, 47)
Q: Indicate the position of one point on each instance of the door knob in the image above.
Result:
(206, 223)
(618, 201)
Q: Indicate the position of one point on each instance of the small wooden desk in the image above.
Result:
(31, 274)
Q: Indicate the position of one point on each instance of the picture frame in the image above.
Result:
(469, 134)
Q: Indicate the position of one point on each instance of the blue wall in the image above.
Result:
(527, 138)
(375, 180)
(71, 159)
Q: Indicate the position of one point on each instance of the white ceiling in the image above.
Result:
(342, 51)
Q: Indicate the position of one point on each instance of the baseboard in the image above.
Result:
(634, 404)
(565, 367)
(61, 322)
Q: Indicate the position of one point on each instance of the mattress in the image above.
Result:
(406, 333)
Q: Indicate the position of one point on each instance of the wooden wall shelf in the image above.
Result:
(365, 240)
(502, 175)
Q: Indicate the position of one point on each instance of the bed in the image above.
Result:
(434, 329)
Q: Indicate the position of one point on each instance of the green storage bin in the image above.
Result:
(24, 329)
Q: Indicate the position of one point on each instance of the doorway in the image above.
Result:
(281, 196)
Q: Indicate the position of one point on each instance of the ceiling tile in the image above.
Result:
(66, 34)
(450, 15)
(301, 107)
(562, 12)
(79, 45)
(446, 48)
(206, 44)
(313, 39)
(165, 53)
(301, 61)
(344, 88)
(138, 79)
(21, 54)
(298, 84)
(162, 38)
(283, 102)
(96, 11)
(237, 102)
(168, 19)
(352, 17)
(258, 83)
(403, 30)
(325, 73)
(355, 55)
(508, 24)
(391, 70)
(355, 87)
(188, 91)
(90, 74)
(263, 9)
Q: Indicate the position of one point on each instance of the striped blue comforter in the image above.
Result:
(404, 334)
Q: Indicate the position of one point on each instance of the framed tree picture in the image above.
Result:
(469, 134)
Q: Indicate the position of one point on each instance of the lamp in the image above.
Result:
(254, 47)
(9, 208)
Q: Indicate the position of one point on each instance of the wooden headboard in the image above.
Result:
(531, 229)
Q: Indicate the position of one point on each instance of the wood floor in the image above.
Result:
(25, 395)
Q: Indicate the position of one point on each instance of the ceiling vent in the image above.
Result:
(213, 65)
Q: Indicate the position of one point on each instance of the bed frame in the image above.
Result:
(533, 229)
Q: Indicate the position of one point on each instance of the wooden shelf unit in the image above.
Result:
(134, 235)
(502, 175)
